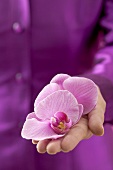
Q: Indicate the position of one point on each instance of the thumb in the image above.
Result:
(96, 116)
(96, 120)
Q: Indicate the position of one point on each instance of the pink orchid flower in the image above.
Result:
(59, 106)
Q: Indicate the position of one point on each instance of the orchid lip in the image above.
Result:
(60, 123)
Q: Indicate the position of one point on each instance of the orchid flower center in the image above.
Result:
(60, 123)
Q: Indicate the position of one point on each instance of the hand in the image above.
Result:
(87, 126)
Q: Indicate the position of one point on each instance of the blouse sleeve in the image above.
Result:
(102, 73)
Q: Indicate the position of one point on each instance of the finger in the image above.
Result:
(54, 146)
(96, 122)
(96, 116)
(79, 132)
(41, 145)
(34, 142)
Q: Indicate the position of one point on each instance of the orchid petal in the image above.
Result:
(59, 79)
(62, 101)
(84, 90)
(81, 110)
(47, 90)
(38, 130)
(32, 115)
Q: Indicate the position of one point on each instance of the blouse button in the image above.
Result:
(17, 28)
(18, 77)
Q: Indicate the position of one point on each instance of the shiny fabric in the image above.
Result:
(38, 39)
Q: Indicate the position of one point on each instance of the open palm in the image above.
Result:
(84, 129)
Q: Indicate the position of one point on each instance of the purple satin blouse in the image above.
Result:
(38, 39)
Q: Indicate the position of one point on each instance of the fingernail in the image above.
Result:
(102, 131)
